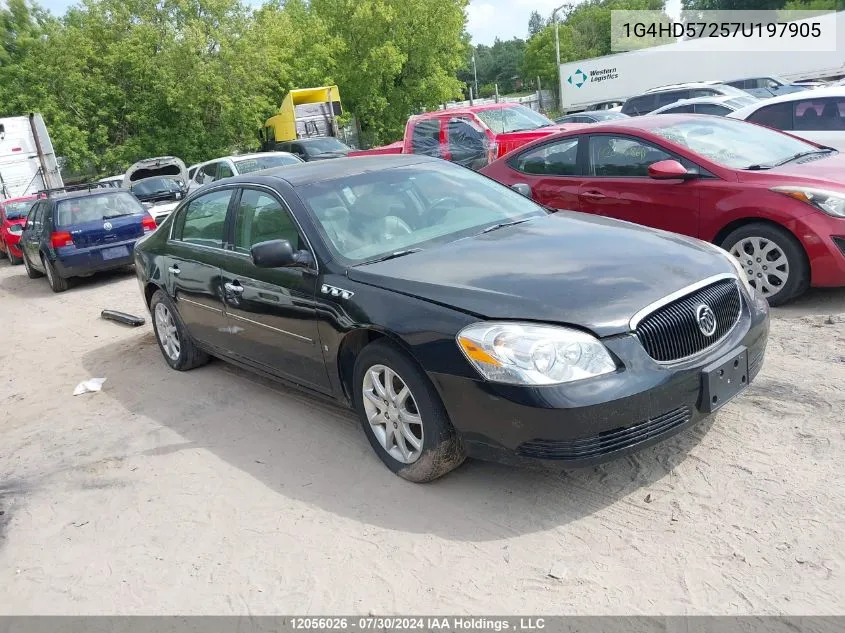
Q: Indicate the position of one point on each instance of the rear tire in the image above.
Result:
(176, 344)
(14, 260)
(57, 283)
(412, 435)
(30, 271)
(773, 260)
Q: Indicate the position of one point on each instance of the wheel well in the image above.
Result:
(149, 291)
(726, 230)
(350, 347)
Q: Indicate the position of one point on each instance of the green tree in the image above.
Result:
(535, 24)
(539, 59)
(395, 57)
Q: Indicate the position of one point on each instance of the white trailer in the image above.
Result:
(27, 159)
(623, 75)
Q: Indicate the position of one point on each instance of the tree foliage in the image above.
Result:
(120, 80)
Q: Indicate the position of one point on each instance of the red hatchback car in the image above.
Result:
(776, 202)
(13, 214)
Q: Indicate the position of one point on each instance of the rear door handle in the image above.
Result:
(174, 270)
(234, 287)
(593, 195)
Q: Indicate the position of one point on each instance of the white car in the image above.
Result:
(111, 181)
(228, 166)
(159, 183)
(661, 96)
(816, 115)
(718, 106)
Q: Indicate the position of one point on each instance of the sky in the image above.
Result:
(487, 19)
(506, 19)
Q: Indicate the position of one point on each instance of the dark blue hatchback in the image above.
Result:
(79, 233)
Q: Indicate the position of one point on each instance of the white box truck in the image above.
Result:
(27, 159)
(617, 77)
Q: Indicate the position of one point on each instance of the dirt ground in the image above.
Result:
(215, 492)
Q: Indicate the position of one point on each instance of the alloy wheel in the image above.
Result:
(393, 414)
(167, 333)
(764, 262)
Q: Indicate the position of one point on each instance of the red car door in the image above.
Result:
(552, 171)
(616, 184)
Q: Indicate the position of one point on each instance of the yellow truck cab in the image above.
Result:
(304, 113)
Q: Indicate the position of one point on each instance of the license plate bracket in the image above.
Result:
(115, 252)
(724, 379)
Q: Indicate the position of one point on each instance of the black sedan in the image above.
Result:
(455, 315)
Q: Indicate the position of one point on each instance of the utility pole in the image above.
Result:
(475, 74)
(557, 56)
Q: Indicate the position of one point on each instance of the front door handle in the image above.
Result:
(233, 287)
(174, 270)
(593, 195)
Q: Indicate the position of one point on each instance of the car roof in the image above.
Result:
(716, 99)
(318, 171)
(19, 199)
(464, 110)
(85, 193)
(815, 93)
(681, 86)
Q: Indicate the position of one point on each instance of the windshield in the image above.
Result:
(156, 186)
(264, 162)
(324, 146)
(741, 102)
(513, 119)
(96, 208)
(732, 143)
(18, 210)
(370, 215)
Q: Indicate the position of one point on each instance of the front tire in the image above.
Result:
(773, 260)
(57, 283)
(30, 271)
(176, 344)
(14, 260)
(402, 415)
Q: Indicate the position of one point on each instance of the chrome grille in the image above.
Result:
(671, 332)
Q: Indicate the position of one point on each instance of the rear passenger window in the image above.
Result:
(554, 159)
(778, 116)
(678, 109)
(260, 218)
(820, 114)
(203, 221)
(639, 105)
(425, 138)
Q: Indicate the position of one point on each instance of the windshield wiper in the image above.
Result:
(392, 255)
(118, 215)
(802, 155)
(502, 225)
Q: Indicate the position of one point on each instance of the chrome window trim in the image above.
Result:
(270, 327)
(641, 314)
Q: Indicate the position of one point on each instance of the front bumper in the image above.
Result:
(823, 238)
(596, 419)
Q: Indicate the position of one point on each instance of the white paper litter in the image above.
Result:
(90, 385)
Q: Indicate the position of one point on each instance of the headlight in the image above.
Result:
(831, 202)
(16, 229)
(527, 354)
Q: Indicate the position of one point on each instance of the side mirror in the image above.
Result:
(522, 188)
(278, 254)
(669, 170)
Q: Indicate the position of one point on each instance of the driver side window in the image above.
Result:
(553, 159)
(261, 218)
(622, 157)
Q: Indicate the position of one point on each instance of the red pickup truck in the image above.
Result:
(472, 136)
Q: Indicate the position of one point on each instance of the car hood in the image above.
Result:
(568, 268)
(151, 167)
(828, 171)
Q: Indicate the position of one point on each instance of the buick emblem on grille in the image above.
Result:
(107, 226)
(706, 319)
